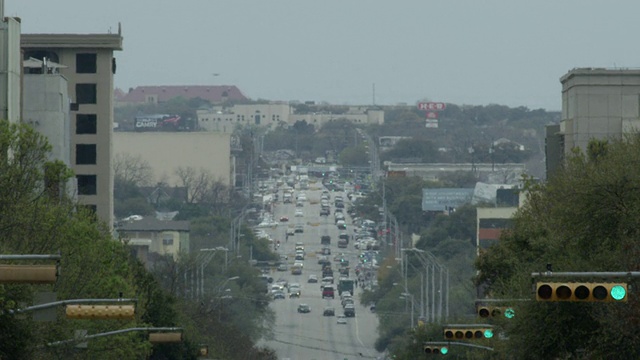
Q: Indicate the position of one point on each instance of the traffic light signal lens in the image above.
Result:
(444, 350)
(582, 292)
(476, 334)
(563, 292)
(496, 312)
(436, 351)
(483, 312)
(448, 334)
(600, 292)
(459, 334)
(545, 292)
(509, 313)
(488, 333)
(618, 292)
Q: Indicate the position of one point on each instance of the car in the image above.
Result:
(350, 310)
(304, 308)
(282, 267)
(312, 279)
(299, 204)
(291, 231)
(324, 212)
(299, 213)
(294, 292)
(299, 228)
(279, 295)
(342, 319)
(284, 219)
(299, 256)
(329, 311)
(299, 263)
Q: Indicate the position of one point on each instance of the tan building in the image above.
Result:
(151, 236)
(278, 114)
(165, 152)
(89, 70)
(596, 103)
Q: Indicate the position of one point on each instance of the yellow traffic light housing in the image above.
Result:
(30, 274)
(100, 312)
(579, 292)
(435, 349)
(165, 337)
(486, 311)
(468, 333)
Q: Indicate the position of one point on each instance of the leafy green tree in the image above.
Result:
(582, 219)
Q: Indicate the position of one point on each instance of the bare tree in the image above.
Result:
(195, 182)
(132, 170)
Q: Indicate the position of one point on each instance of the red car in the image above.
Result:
(284, 219)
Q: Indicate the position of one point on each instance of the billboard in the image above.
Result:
(442, 199)
(157, 122)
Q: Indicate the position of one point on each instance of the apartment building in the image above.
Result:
(89, 69)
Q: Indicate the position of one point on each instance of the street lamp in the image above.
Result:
(219, 288)
(406, 295)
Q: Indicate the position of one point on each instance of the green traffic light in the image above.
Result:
(509, 313)
(618, 292)
(488, 333)
(444, 350)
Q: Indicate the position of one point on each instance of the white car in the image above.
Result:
(299, 213)
(298, 263)
(342, 319)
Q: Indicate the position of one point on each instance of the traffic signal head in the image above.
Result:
(468, 333)
(28, 274)
(496, 311)
(165, 337)
(435, 349)
(589, 292)
(100, 312)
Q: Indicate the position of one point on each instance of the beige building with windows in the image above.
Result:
(151, 236)
(165, 152)
(596, 103)
(272, 115)
(89, 67)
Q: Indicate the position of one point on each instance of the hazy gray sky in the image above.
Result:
(476, 52)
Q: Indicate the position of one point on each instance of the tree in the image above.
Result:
(582, 219)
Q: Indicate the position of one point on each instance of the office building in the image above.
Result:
(89, 67)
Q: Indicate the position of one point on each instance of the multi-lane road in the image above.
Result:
(307, 336)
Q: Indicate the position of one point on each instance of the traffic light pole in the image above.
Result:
(70, 302)
(594, 274)
(109, 333)
(447, 343)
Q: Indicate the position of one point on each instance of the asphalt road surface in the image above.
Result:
(308, 336)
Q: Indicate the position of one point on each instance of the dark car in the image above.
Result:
(329, 312)
(279, 295)
(299, 229)
(304, 308)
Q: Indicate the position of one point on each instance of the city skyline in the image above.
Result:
(496, 52)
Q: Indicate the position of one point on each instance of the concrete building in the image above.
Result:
(272, 115)
(90, 67)
(597, 103)
(10, 67)
(165, 152)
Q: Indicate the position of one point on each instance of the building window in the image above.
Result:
(167, 239)
(86, 63)
(86, 93)
(85, 154)
(86, 123)
(87, 184)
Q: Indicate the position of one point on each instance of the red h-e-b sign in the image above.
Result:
(431, 106)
